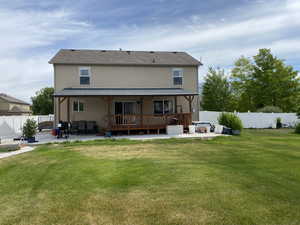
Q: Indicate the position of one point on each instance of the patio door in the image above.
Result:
(125, 113)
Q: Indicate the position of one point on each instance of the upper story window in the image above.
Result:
(177, 74)
(85, 75)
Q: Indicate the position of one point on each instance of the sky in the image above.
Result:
(217, 32)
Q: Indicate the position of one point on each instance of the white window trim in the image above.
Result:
(180, 75)
(78, 102)
(85, 68)
(170, 100)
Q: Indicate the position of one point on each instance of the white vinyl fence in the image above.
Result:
(253, 119)
(11, 126)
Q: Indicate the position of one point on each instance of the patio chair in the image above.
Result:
(82, 127)
(91, 127)
(74, 127)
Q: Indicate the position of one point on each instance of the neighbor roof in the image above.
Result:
(113, 57)
(123, 92)
(11, 99)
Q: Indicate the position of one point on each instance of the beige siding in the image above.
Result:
(20, 106)
(3, 105)
(124, 77)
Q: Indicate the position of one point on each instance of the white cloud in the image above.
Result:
(22, 72)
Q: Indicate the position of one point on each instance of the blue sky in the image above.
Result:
(215, 31)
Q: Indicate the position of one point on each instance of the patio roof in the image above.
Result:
(69, 92)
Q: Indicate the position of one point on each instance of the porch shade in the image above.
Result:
(72, 92)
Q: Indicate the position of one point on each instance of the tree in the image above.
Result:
(265, 81)
(273, 83)
(216, 92)
(42, 103)
(241, 76)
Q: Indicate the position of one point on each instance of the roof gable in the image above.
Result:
(105, 57)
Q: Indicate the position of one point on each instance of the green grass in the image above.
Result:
(248, 179)
(3, 150)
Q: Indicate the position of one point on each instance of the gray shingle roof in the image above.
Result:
(109, 57)
(123, 92)
(11, 99)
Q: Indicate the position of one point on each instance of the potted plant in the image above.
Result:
(29, 130)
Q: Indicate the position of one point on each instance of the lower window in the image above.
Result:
(78, 106)
(163, 107)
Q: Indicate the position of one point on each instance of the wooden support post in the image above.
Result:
(190, 104)
(190, 100)
(141, 111)
(58, 109)
(68, 109)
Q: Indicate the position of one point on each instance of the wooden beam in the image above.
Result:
(62, 100)
(141, 111)
(190, 100)
(68, 109)
(58, 110)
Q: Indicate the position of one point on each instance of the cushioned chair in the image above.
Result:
(91, 127)
(74, 127)
(82, 127)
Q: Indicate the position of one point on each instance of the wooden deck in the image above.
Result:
(147, 122)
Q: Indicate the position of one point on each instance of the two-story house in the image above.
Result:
(126, 90)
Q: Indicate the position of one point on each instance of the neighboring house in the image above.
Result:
(126, 90)
(10, 106)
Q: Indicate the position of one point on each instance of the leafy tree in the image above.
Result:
(241, 76)
(265, 81)
(216, 91)
(42, 103)
(273, 83)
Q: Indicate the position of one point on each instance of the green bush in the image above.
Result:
(230, 120)
(297, 130)
(270, 109)
(29, 128)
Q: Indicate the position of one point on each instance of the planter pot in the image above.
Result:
(236, 132)
(174, 129)
(31, 140)
(192, 129)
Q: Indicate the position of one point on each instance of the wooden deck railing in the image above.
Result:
(148, 120)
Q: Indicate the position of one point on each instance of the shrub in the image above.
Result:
(230, 120)
(297, 130)
(29, 128)
(278, 123)
(270, 109)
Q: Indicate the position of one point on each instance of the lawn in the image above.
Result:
(251, 179)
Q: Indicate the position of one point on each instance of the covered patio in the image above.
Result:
(130, 109)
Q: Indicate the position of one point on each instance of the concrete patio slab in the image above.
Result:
(44, 138)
